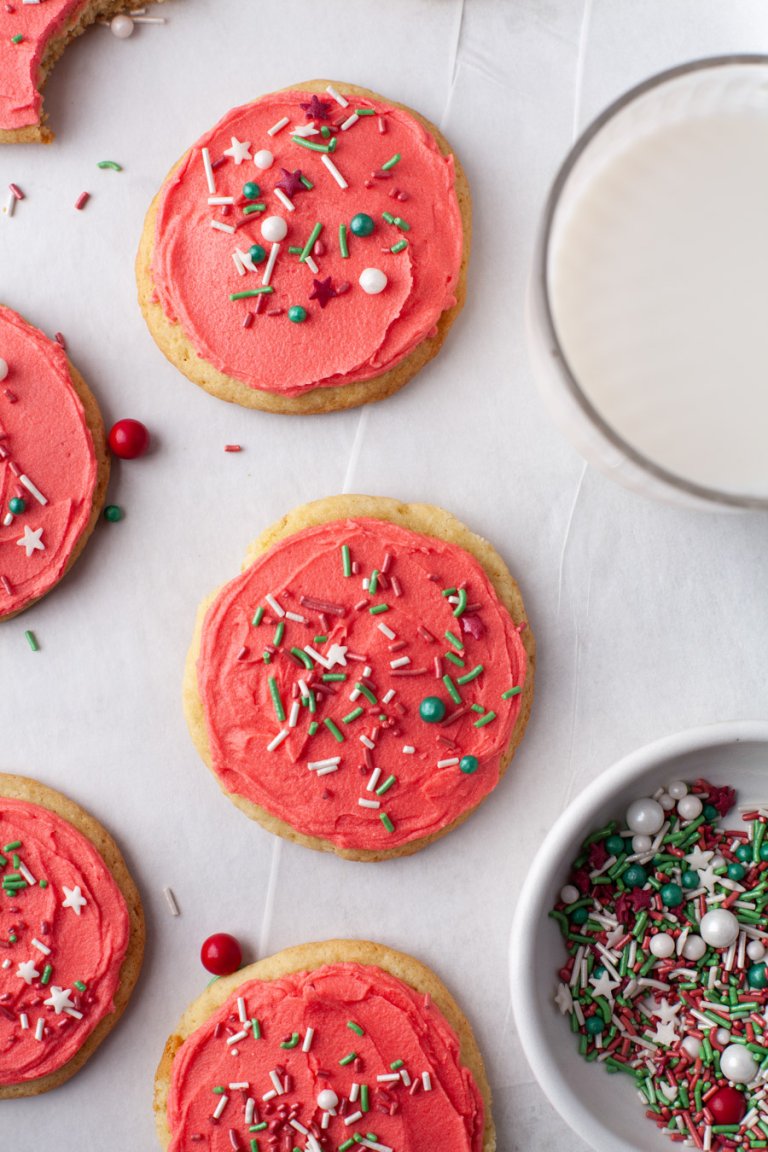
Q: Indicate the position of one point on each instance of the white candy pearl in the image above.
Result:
(722, 1035)
(274, 229)
(738, 1064)
(719, 928)
(692, 1046)
(121, 26)
(662, 945)
(569, 893)
(264, 159)
(755, 950)
(645, 816)
(666, 801)
(694, 948)
(641, 843)
(677, 789)
(373, 281)
(327, 1099)
(689, 807)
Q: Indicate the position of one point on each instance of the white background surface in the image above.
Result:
(648, 619)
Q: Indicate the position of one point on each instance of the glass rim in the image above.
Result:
(657, 471)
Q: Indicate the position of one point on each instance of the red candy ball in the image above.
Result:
(727, 1106)
(221, 954)
(128, 439)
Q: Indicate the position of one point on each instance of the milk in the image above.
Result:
(658, 285)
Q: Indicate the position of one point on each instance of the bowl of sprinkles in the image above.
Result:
(639, 951)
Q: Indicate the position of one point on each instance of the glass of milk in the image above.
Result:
(648, 301)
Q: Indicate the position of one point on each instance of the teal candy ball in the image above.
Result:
(362, 224)
(432, 709)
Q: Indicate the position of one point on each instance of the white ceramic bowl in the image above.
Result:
(604, 1109)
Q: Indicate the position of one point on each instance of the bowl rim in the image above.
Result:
(540, 281)
(523, 965)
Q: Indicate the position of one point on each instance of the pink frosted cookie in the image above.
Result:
(33, 35)
(71, 937)
(308, 253)
(362, 686)
(54, 465)
(342, 1044)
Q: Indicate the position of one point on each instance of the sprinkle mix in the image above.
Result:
(361, 682)
(666, 980)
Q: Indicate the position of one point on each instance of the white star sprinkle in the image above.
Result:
(31, 541)
(27, 971)
(564, 999)
(698, 859)
(615, 935)
(708, 879)
(305, 129)
(75, 899)
(666, 1012)
(604, 986)
(336, 654)
(240, 150)
(59, 999)
(665, 1034)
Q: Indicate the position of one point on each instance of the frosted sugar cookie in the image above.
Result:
(308, 253)
(364, 683)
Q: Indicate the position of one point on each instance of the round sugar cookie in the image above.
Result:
(33, 35)
(309, 253)
(54, 466)
(364, 683)
(327, 1043)
(71, 937)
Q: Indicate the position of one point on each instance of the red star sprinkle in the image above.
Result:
(316, 109)
(291, 182)
(322, 291)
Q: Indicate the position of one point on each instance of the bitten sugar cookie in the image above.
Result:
(71, 937)
(337, 1045)
(54, 466)
(309, 253)
(364, 683)
(33, 35)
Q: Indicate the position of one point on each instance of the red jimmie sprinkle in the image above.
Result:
(59, 338)
(16, 191)
(82, 200)
(232, 448)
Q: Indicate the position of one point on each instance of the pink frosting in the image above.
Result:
(44, 438)
(355, 336)
(396, 1025)
(20, 101)
(383, 735)
(83, 942)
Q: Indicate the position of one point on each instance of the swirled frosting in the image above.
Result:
(386, 1055)
(37, 24)
(352, 336)
(64, 931)
(47, 459)
(312, 683)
